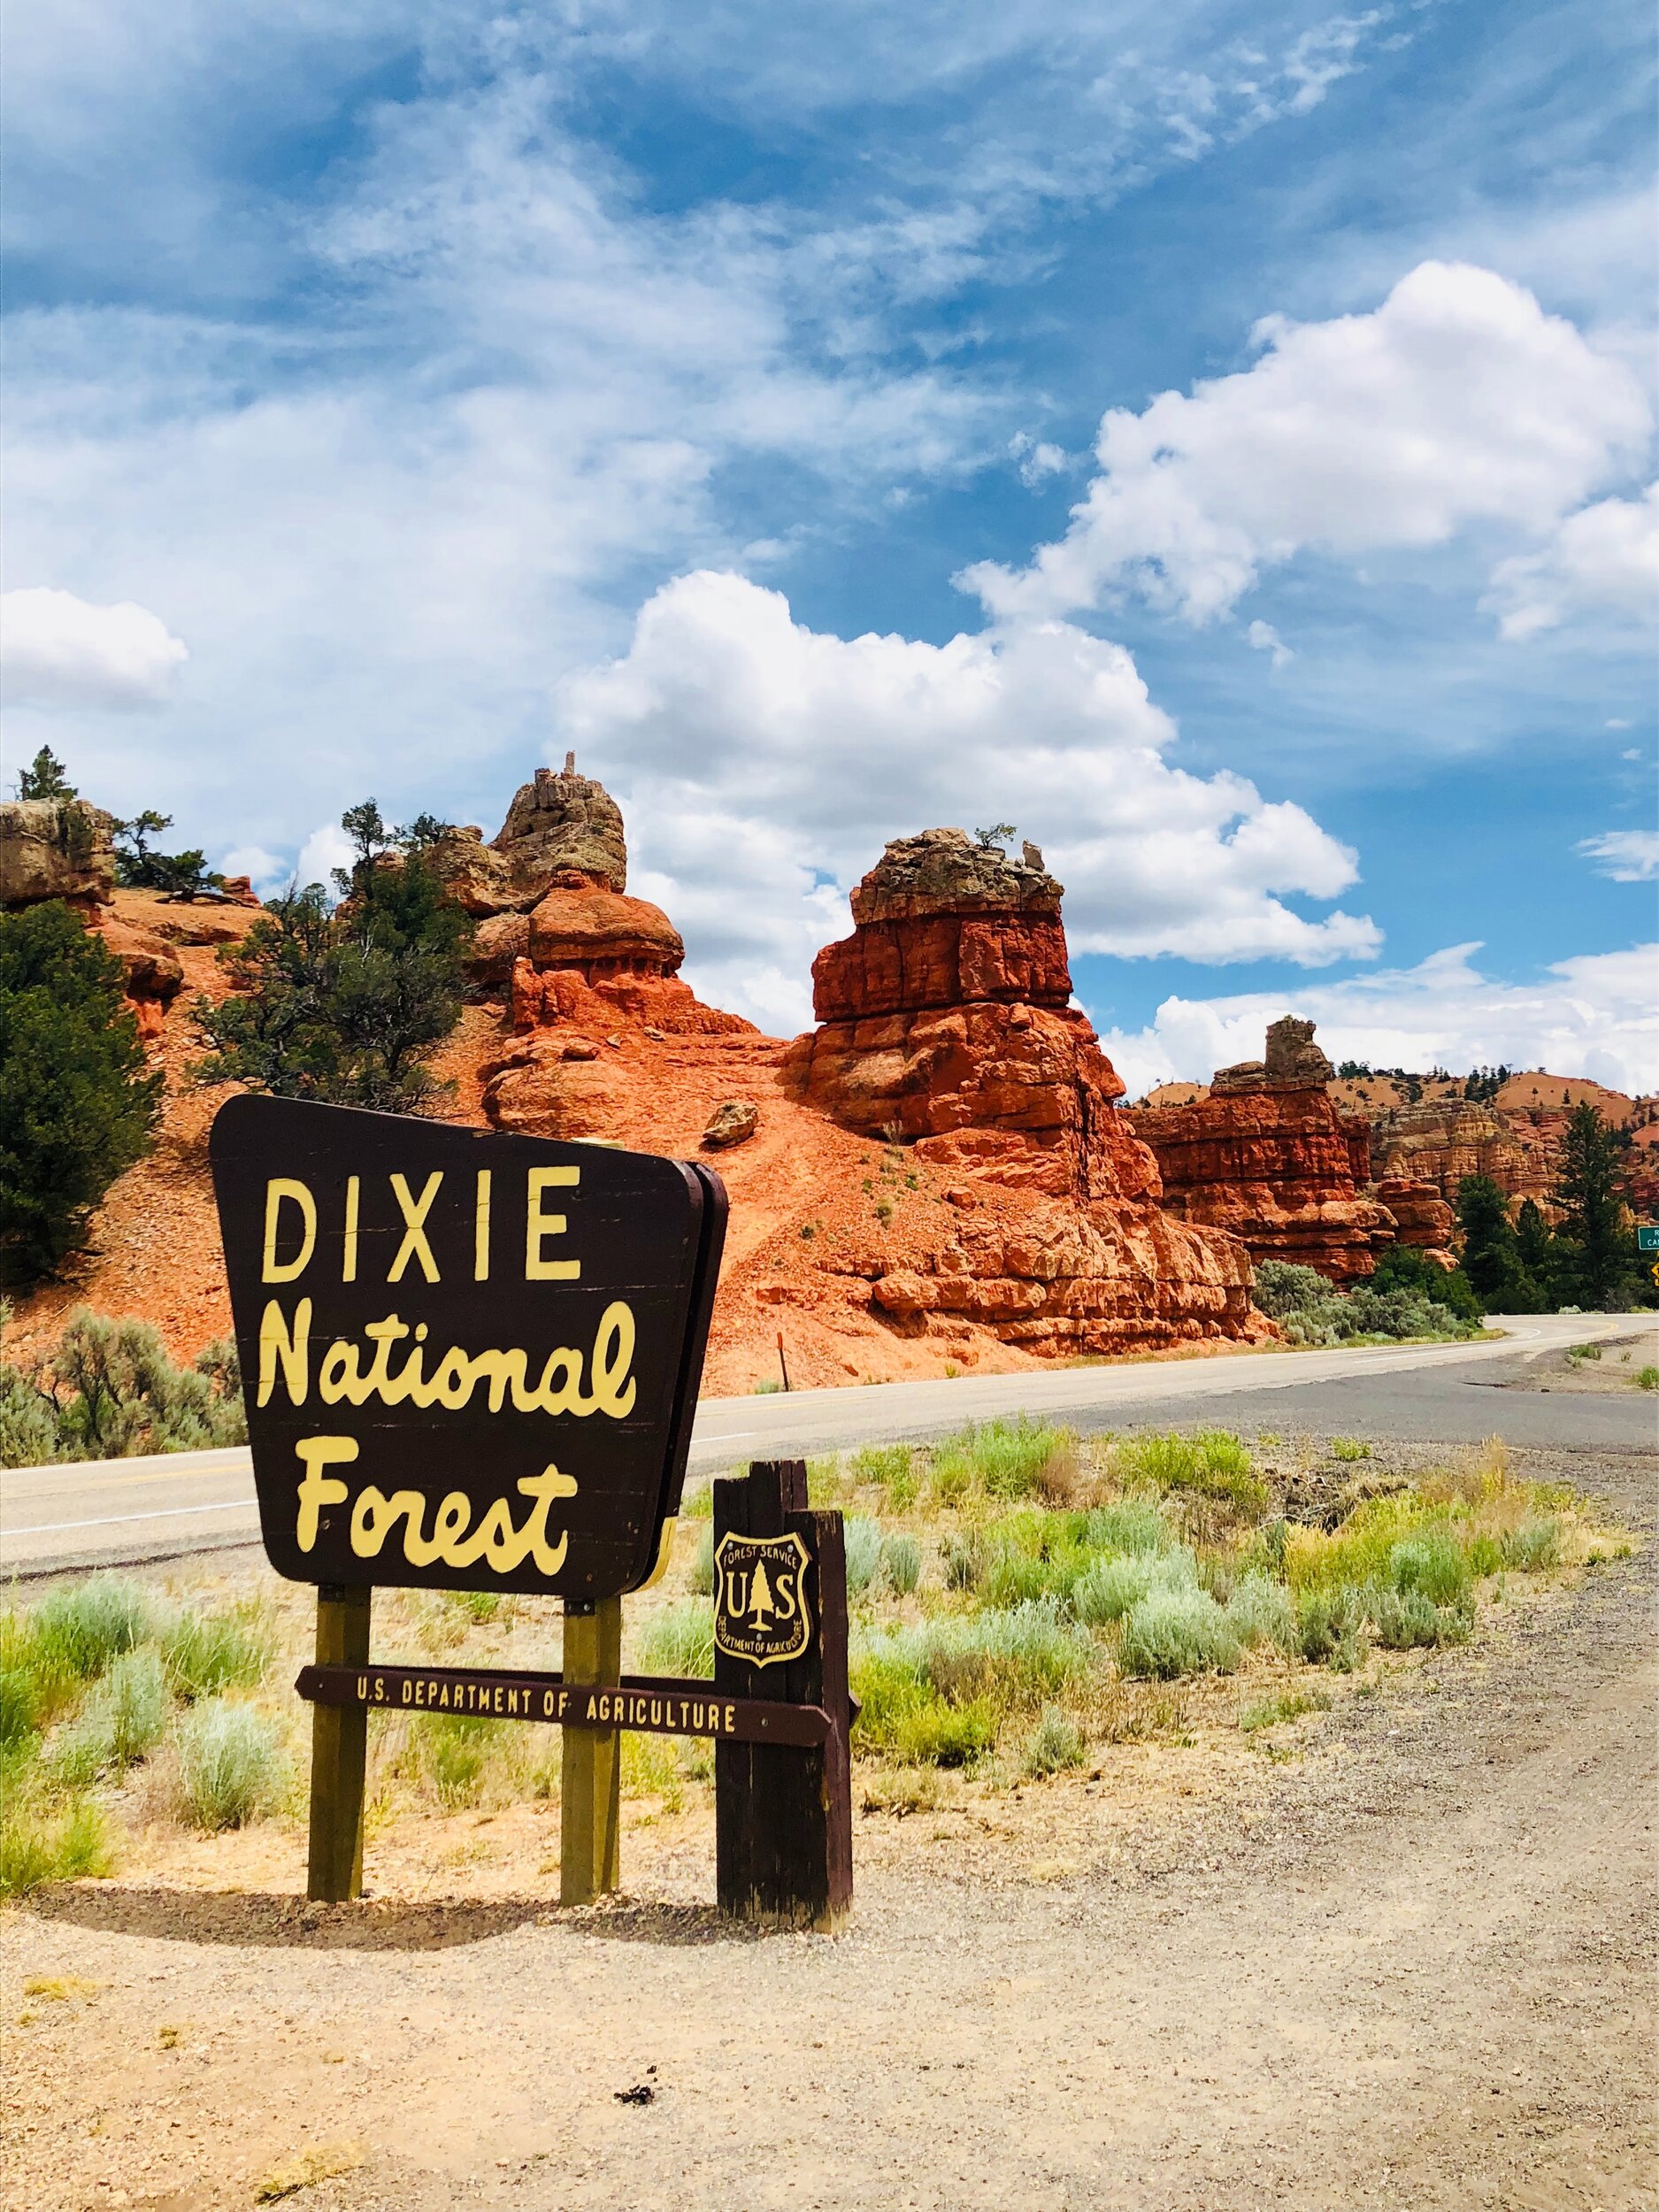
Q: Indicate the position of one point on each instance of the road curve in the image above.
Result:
(121, 1512)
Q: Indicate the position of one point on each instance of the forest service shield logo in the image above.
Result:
(760, 1606)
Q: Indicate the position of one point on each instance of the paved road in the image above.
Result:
(107, 1512)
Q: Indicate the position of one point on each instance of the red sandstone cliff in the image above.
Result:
(945, 1027)
(1267, 1155)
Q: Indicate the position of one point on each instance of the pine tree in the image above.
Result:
(1597, 1260)
(1491, 1256)
(1535, 1248)
(45, 777)
(345, 1006)
(77, 1102)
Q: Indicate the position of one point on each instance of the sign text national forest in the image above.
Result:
(470, 1361)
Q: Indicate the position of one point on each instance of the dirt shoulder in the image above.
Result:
(1604, 1369)
(1408, 1959)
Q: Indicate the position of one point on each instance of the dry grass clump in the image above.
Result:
(305, 2169)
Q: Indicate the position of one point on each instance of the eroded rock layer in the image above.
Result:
(1267, 1156)
(945, 1030)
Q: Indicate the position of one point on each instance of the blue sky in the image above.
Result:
(1214, 437)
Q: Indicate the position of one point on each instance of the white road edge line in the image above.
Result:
(119, 1520)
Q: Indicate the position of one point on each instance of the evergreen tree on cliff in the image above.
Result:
(346, 1006)
(77, 1102)
(45, 778)
(1598, 1260)
(1492, 1259)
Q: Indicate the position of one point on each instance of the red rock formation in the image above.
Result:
(1441, 1141)
(1422, 1217)
(152, 973)
(1267, 1156)
(944, 1028)
(582, 963)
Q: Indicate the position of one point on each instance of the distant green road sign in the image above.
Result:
(1647, 1236)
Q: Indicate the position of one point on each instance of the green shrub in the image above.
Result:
(1349, 1447)
(85, 1625)
(109, 1390)
(1648, 1379)
(136, 1690)
(1534, 1545)
(232, 1766)
(678, 1641)
(901, 1564)
(345, 1005)
(1259, 1611)
(78, 1102)
(1178, 1629)
(1105, 1591)
(892, 1466)
(1433, 1562)
(964, 1558)
(1405, 1619)
(1213, 1463)
(932, 1733)
(1330, 1628)
(1129, 1524)
(1401, 1304)
(121, 1723)
(863, 1539)
(1054, 1745)
(38, 1845)
(1002, 1457)
(1579, 1352)
(1283, 1705)
(1015, 1656)
(19, 1706)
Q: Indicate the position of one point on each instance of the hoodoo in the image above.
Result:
(1267, 1155)
(946, 1028)
(579, 959)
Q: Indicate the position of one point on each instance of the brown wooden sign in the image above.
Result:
(652, 1705)
(470, 1361)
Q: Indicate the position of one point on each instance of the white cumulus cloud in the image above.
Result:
(1604, 560)
(1596, 1015)
(754, 751)
(58, 650)
(1627, 855)
(1458, 401)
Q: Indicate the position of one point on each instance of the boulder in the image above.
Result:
(733, 1122)
(55, 849)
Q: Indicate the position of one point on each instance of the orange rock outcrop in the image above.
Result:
(945, 1029)
(1268, 1156)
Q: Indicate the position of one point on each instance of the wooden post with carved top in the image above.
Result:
(340, 1737)
(783, 1816)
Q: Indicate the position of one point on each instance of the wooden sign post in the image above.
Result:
(783, 1817)
(590, 1785)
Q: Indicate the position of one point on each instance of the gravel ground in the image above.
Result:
(1409, 1961)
